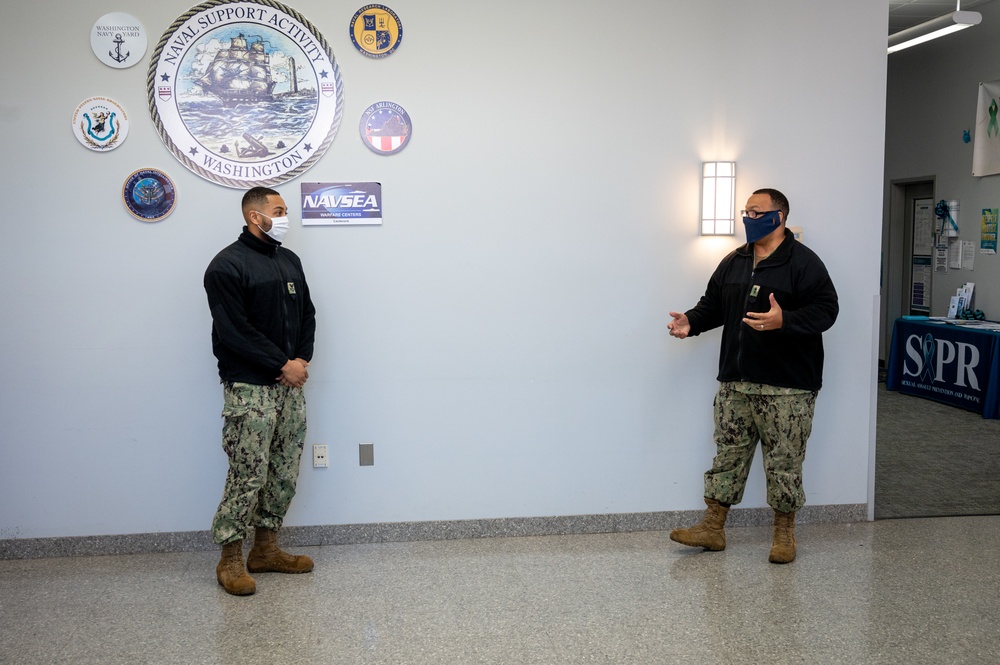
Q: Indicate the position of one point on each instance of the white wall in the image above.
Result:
(932, 97)
(501, 338)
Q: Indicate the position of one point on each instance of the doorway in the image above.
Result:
(931, 459)
(900, 275)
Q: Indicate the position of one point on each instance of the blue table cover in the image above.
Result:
(954, 364)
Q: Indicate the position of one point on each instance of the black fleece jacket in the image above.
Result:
(791, 357)
(262, 315)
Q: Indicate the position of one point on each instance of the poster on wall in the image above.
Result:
(920, 284)
(100, 124)
(341, 203)
(986, 149)
(118, 40)
(149, 195)
(968, 255)
(245, 93)
(955, 255)
(941, 258)
(376, 31)
(923, 227)
(988, 235)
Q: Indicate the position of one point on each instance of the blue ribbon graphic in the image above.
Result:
(110, 127)
(928, 348)
(944, 212)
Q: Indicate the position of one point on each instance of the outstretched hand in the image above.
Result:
(680, 327)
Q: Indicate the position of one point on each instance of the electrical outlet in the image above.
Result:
(320, 458)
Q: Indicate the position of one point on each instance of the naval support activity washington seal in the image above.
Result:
(245, 93)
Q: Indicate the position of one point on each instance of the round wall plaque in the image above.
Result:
(149, 195)
(245, 93)
(100, 124)
(118, 40)
(376, 31)
(385, 128)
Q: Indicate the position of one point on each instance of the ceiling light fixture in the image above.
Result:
(936, 27)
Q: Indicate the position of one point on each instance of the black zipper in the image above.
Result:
(285, 315)
(746, 308)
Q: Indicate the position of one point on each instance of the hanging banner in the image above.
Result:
(986, 150)
(245, 93)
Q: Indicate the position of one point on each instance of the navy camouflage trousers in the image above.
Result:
(263, 434)
(781, 420)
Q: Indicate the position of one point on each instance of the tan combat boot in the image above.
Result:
(266, 557)
(230, 572)
(783, 547)
(709, 532)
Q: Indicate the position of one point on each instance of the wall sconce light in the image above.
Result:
(718, 198)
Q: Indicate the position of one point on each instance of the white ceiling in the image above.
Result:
(908, 13)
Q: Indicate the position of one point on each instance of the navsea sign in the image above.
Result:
(245, 93)
(341, 203)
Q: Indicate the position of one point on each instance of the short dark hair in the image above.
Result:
(777, 198)
(256, 196)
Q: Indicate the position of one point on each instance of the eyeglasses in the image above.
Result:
(754, 214)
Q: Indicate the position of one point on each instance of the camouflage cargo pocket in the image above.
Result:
(238, 398)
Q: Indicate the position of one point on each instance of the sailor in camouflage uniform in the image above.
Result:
(773, 298)
(263, 328)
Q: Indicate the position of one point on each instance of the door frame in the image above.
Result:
(897, 256)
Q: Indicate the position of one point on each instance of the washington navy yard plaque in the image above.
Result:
(118, 40)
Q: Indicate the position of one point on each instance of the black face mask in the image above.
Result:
(762, 225)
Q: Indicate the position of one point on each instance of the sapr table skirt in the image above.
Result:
(953, 364)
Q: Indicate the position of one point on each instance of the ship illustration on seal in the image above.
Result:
(245, 95)
(240, 73)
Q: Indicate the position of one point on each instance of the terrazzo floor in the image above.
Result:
(895, 591)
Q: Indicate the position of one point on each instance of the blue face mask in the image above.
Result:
(762, 225)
